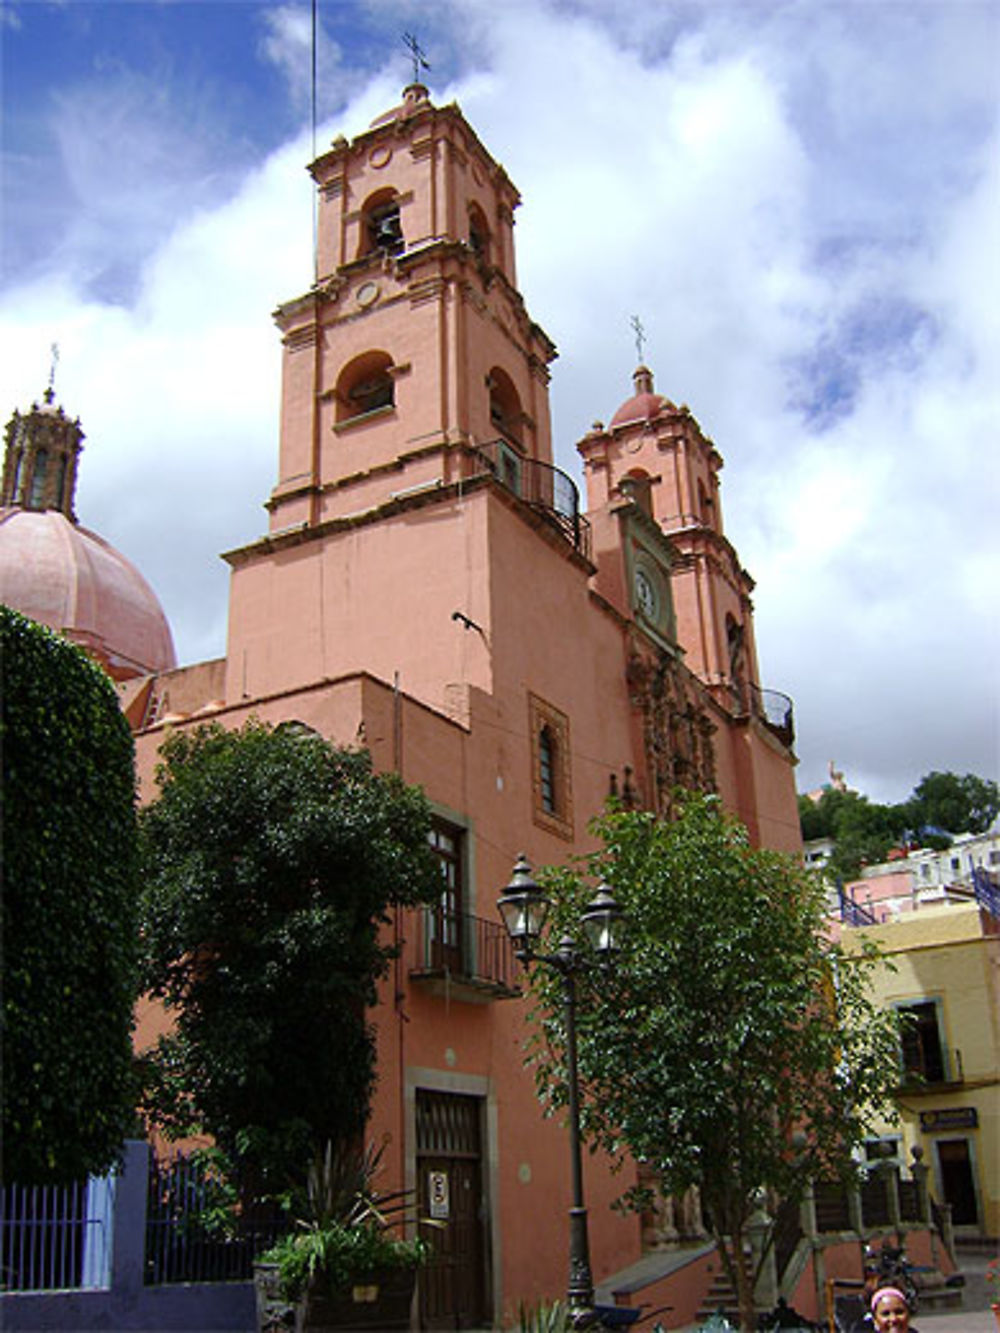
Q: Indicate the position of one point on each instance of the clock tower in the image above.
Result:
(653, 459)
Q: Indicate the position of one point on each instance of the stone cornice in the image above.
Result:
(303, 533)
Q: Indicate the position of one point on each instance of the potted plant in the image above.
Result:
(993, 1287)
(344, 1265)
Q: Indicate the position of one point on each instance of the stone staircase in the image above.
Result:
(721, 1296)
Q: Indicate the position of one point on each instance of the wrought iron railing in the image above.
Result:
(986, 891)
(465, 948)
(853, 913)
(777, 710)
(547, 489)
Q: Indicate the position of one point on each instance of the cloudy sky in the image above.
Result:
(800, 198)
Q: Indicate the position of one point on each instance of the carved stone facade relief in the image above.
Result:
(677, 726)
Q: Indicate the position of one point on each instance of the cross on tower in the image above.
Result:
(417, 55)
(54, 361)
(640, 335)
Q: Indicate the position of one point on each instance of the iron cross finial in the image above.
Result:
(53, 363)
(640, 335)
(417, 55)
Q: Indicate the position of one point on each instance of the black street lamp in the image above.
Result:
(524, 908)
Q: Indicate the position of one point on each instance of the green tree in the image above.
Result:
(863, 831)
(68, 914)
(730, 1047)
(271, 861)
(813, 821)
(967, 804)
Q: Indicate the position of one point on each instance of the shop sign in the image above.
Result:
(954, 1117)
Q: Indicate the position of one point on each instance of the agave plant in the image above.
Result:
(341, 1188)
(547, 1317)
(346, 1228)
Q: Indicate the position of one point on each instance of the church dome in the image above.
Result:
(61, 574)
(72, 580)
(644, 403)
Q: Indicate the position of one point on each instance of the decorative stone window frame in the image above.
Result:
(543, 716)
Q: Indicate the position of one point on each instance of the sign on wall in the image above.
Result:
(437, 1195)
(953, 1117)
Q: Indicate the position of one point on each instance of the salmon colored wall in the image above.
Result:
(774, 800)
(318, 610)
(683, 1293)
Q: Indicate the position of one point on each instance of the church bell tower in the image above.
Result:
(412, 357)
(653, 456)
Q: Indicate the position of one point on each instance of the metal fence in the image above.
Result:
(192, 1234)
(56, 1237)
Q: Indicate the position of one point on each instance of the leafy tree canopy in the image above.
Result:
(271, 861)
(68, 910)
(728, 1024)
(966, 804)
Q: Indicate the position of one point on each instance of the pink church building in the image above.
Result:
(431, 586)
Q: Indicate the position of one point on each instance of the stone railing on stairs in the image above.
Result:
(805, 1259)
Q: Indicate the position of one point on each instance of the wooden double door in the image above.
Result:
(453, 1284)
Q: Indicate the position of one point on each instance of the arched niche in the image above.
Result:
(381, 225)
(479, 234)
(506, 413)
(366, 384)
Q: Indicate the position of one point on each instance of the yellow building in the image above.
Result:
(943, 970)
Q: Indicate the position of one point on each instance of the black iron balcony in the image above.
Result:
(470, 957)
(775, 709)
(547, 489)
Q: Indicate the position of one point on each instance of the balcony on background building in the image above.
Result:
(546, 489)
(463, 956)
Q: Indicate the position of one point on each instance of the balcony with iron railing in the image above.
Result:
(464, 956)
(776, 711)
(547, 490)
(773, 708)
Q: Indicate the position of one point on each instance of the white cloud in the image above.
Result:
(287, 43)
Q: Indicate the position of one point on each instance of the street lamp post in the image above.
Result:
(524, 907)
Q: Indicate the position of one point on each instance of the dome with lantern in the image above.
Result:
(644, 404)
(61, 574)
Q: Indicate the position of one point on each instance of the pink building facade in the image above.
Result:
(431, 587)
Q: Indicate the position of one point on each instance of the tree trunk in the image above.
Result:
(744, 1284)
(731, 1247)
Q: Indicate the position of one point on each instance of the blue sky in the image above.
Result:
(800, 197)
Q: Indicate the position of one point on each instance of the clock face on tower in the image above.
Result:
(646, 598)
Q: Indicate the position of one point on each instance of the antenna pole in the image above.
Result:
(315, 208)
